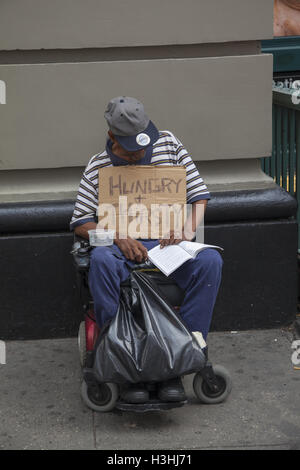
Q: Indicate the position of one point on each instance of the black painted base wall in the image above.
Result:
(259, 286)
(39, 297)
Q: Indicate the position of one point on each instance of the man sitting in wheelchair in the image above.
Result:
(134, 139)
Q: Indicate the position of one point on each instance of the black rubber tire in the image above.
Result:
(205, 395)
(103, 400)
(82, 344)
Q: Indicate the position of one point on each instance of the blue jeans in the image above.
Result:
(199, 278)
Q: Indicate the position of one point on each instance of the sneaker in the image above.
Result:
(135, 393)
(171, 390)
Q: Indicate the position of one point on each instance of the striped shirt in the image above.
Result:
(167, 151)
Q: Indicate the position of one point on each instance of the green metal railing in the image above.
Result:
(286, 52)
(284, 164)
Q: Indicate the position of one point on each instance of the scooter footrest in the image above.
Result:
(152, 405)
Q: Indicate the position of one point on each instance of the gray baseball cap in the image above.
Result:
(127, 120)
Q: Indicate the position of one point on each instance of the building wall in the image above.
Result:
(70, 24)
(196, 65)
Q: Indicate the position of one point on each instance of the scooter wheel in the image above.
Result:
(100, 396)
(205, 394)
(82, 344)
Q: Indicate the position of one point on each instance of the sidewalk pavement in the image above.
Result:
(41, 407)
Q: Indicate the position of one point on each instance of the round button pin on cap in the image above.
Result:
(143, 139)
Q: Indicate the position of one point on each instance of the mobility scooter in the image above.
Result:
(212, 384)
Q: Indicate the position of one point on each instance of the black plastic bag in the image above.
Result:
(146, 341)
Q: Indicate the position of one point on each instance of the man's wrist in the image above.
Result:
(116, 239)
(188, 235)
(119, 237)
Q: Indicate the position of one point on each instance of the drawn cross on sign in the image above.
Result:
(139, 199)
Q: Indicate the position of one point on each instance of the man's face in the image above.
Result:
(123, 153)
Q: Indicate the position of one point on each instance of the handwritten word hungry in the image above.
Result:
(146, 186)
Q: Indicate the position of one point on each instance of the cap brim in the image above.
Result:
(130, 144)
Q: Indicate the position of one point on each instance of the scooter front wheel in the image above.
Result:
(100, 396)
(205, 393)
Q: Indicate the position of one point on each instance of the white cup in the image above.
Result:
(101, 237)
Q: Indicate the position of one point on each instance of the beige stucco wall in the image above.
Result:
(35, 24)
(219, 107)
(196, 66)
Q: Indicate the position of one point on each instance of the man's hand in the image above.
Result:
(174, 238)
(132, 249)
(190, 226)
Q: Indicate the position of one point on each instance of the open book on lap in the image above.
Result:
(171, 257)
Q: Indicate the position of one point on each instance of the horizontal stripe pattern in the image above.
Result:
(168, 150)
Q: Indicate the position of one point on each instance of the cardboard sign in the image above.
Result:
(142, 201)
